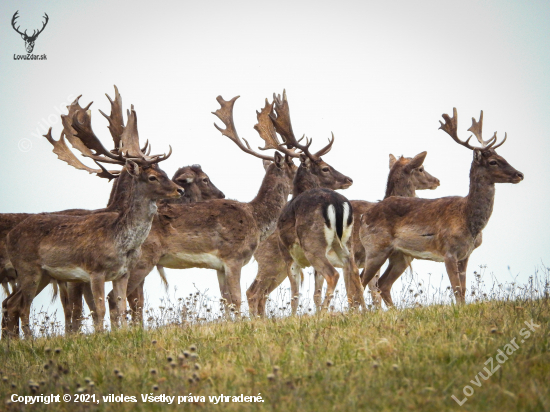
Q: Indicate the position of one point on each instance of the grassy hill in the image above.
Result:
(400, 359)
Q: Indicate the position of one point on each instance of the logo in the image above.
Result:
(29, 40)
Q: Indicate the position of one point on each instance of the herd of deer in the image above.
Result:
(151, 221)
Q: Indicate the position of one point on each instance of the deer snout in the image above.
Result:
(518, 177)
(180, 191)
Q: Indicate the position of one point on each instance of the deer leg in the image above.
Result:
(136, 300)
(397, 265)
(233, 281)
(354, 288)
(98, 291)
(89, 298)
(373, 263)
(119, 290)
(331, 275)
(295, 277)
(451, 264)
(462, 266)
(319, 281)
(224, 291)
(375, 290)
(73, 310)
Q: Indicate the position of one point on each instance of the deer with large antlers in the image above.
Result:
(220, 234)
(93, 248)
(317, 221)
(197, 188)
(406, 176)
(443, 230)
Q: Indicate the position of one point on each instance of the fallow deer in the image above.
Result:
(94, 248)
(405, 177)
(317, 220)
(197, 188)
(220, 234)
(443, 230)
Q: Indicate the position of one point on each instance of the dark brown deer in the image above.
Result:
(405, 177)
(443, 230)
(197, 188)
(317, 220)
(93, 248)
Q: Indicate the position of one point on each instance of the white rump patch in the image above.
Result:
(330, 233)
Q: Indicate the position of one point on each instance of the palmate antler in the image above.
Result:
(283, 126)
(77, 128)
(225, 114)
(451, 125)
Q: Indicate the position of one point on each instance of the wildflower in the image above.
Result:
(192, 348)
(186, 354)
(395, 367)
(270, 377)
(197, 366)
(91, 384)
(194, 356)
(276, 369)
(120, 376)
(87, 380)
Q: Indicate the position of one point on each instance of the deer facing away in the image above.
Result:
(444, 230)
(406, 176)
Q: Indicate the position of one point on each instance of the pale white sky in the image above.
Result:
(377, 74)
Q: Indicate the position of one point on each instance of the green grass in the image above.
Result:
(401, 359)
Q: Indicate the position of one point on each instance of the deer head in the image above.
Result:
(196, 184)
(411, 174)
(487, 165)
(29, 40)
(313, 171)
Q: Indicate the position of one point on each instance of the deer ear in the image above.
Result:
(266, 164)
(132, 168)
(477, 155)
(416, 161)
(392, 160)
(279, 160)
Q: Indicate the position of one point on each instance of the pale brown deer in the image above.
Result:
(317, 220)
(220, 234)
(93, 248)
(405, 177)
(197, 188)
(443, 230)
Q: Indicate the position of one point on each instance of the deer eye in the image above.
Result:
(205, 180)
(152, 178)
(493, 162)
(421, 169)
(325, 169)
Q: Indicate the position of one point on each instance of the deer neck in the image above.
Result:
(399, 186)
(270, 200)
(304, 181)
(136, 212)
(480, 200)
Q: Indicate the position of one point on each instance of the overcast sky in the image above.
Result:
(377, 74)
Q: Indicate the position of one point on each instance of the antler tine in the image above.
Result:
(477, 129)
(267, 132)
(13, 19)
(283, 126)
(78, 130)
(129, 140)
(450, 127)
(327, 148)
(225, 114)
(63, 152)
(491, 145)
(116, 120)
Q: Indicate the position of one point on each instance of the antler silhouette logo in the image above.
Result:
(29, 40)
